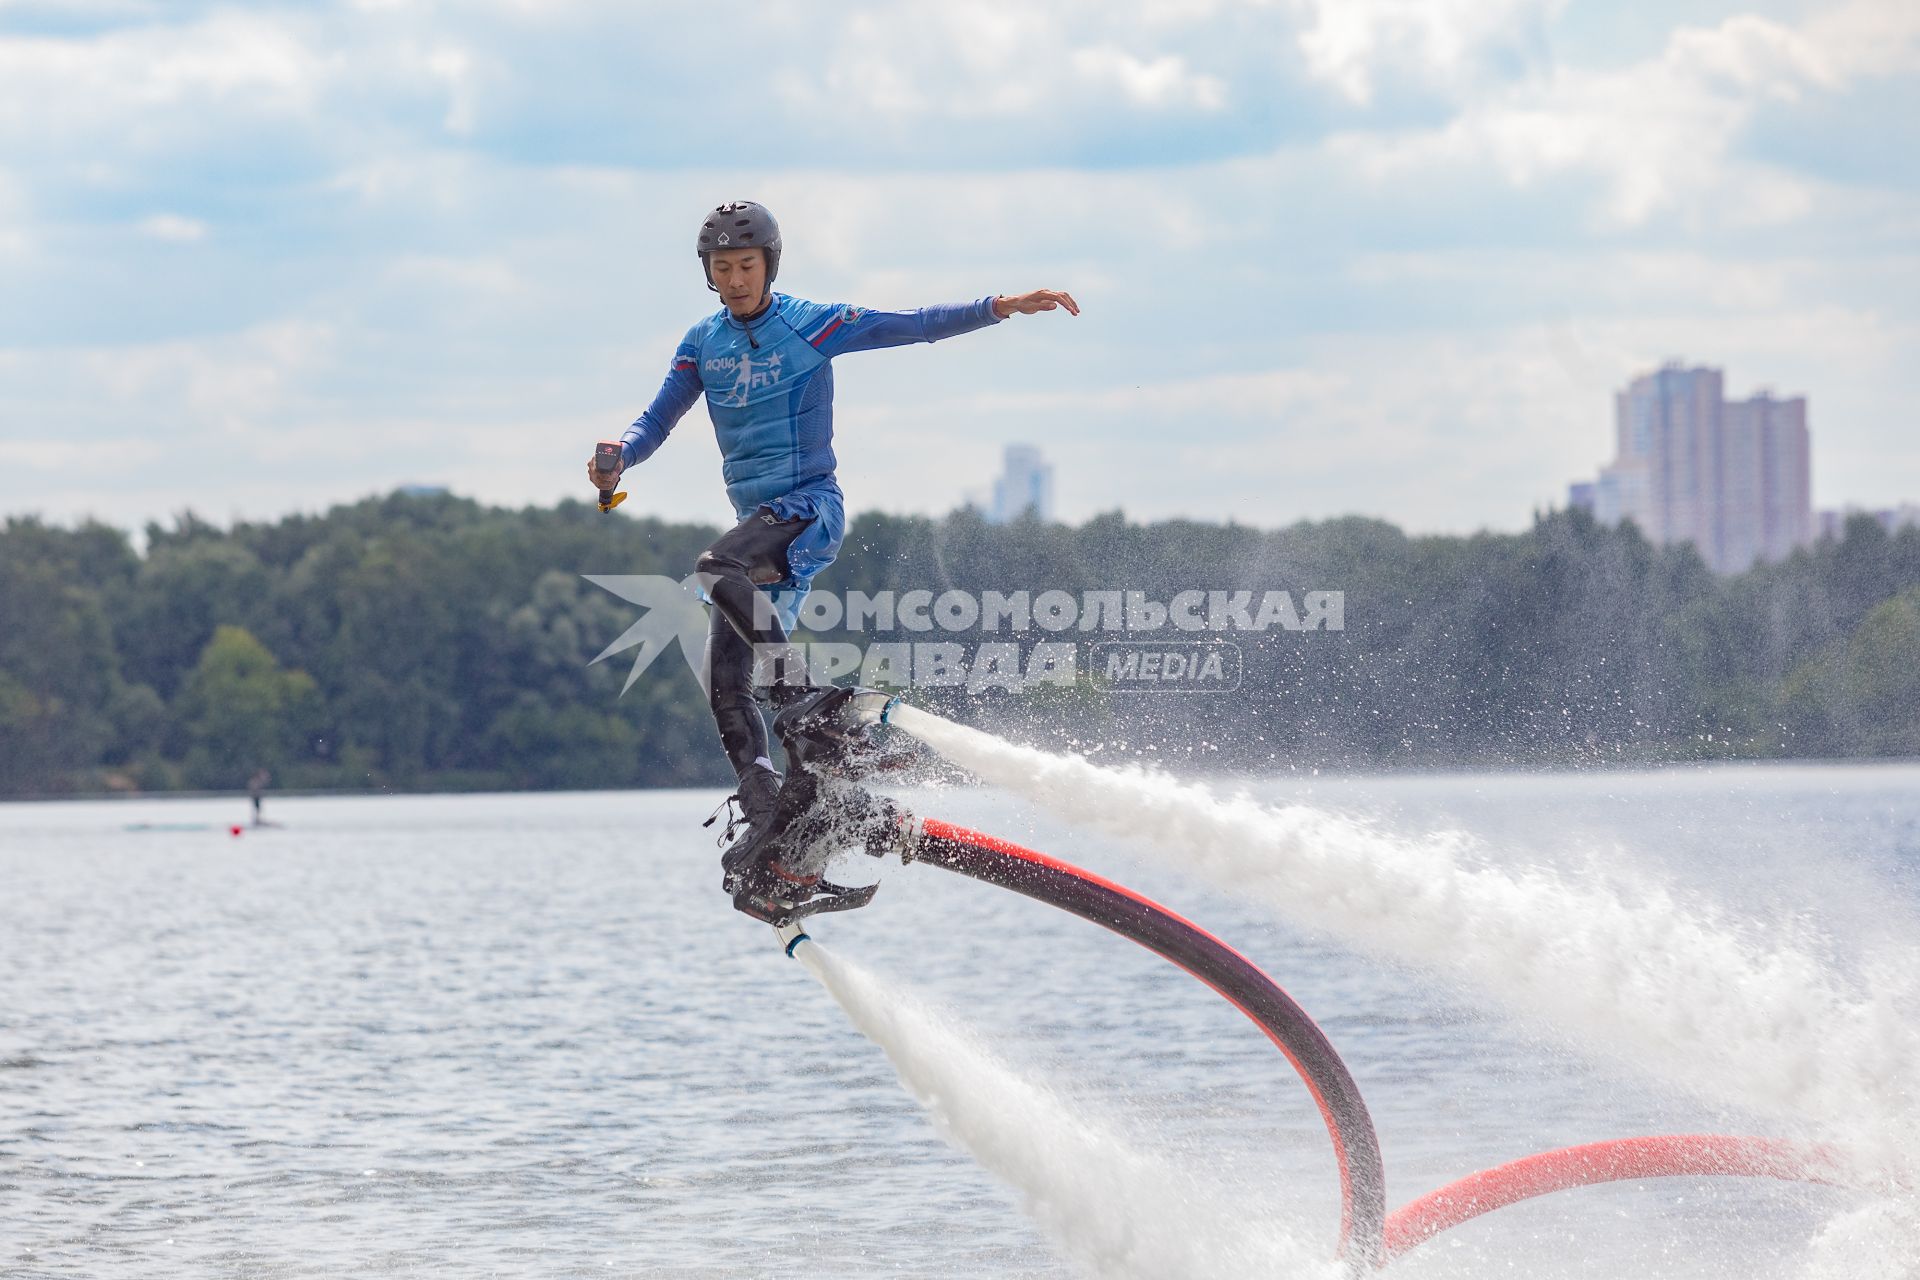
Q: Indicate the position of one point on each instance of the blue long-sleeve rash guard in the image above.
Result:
(772, 409)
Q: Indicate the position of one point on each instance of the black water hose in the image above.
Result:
(1363, 1201)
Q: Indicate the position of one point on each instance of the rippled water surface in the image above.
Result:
(525, 1035)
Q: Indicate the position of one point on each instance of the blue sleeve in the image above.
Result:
(676, 396)
(844, 329)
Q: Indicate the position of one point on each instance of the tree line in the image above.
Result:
(427, 641)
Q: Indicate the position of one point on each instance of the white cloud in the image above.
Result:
(56, 457)
(1353, 43)
(458, 275)
(1867, 38)
(1159, 82)
(1262, 394)
(14, 240)
(142, 92)
(1436, 431)
(173, 228)
(227, 385)
(1659, 133)
(454, 67)
(119, 78)
(1000, 59)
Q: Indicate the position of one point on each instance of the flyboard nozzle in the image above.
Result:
(791, 935)
(871, 706)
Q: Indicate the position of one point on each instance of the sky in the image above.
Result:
(1384, 257)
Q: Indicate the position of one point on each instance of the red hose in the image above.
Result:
(1621, 1160)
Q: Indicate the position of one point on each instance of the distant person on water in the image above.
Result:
(763, 363)
(256, 787)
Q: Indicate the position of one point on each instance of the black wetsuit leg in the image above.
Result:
(736, 712)
(751, 553)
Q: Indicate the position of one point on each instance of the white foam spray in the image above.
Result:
(1115, 1209)
(1637, 977)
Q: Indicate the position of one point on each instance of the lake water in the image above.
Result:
(525, 1035)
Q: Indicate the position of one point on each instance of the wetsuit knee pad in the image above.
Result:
(720, 564)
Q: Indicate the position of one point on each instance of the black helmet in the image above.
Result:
(740, 224)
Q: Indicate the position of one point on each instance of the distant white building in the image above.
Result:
(1833, 523)
(1025, 484)
(1731, 477)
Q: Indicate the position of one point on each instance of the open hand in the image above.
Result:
(1026, 304)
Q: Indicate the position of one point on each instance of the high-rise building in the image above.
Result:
(1666, 439)
(1767, 503)
(1025, 484)
(1731, 478)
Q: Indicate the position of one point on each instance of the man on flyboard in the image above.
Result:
(763, 361)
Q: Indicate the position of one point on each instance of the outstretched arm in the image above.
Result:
(837, 330)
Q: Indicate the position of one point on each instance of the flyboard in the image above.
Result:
(775, 874)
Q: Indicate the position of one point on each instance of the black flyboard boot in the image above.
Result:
(828, 728)
(758, 794)
(762, 871)
(773, 873)
(774, 835)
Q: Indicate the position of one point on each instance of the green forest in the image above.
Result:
(429, 642)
